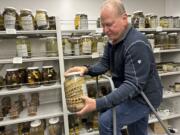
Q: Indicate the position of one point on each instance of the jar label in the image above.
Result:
(100, 47)
(76, 49)
(9, 22)
(27, 23)
(22, 50)
(41, 20)
(86, 48)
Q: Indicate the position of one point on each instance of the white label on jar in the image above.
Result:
(86, 48)
(41, 20)
(100, 47)
(76, 49)
(22, 50)
(27, 23)
(9, 22)
(151, 41)
(67, 49)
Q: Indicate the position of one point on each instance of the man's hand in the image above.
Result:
(90, 105)
(81, 69)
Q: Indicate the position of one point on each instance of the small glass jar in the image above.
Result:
(23, 47)
(98, 23)
(27, 19)
(33, 77)
(41, 18)
(83, 21)
(176, 21)
(172, 40)
(52, 22)
(32, 109)
(51, 47)
(162, 40)
(22, 75)
(100, 44)
(154, 21)
(67, 46)
(164, 22)
(75, 87)
(138, 19)
(22, 100)
(10, 18)
(36, 128)
(1, 22)
(12, 79)
(54, 126)
(151, 40)
(147, 21)
(76, 45)
(49, 75)
(170, 20)
(86, 45)
(14, 111)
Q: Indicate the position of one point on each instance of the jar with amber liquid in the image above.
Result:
(33, 77)
(48, 75)
(54, 126)
(86, 45)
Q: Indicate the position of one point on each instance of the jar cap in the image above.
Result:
(21, 37)
(25, 9)
(43, 10)
(33, 68)
(53, 120)
(47, 66)
(12, 69)
(73, 73)
(12, 8)
(35, 123)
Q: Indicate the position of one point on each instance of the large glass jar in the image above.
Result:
(176, 21)
(23, 47)
(83, 21)
(172, 40)
(27, 19)
(153, 21)
(51, 47)
(49, 75)
(151, 40)
(12, 79)
(14, 111)
(52, 22)
(86, 45)
(41, 18)
(138, 19)
(33, 77)
(10, 18)
(75, 45)
(1, 22)
(36, 128)
(100, 44)
(164, 22)
(75, 87)
(170, 20)
(23, 75)
(54, 126)
(162, 40)
(67, 46)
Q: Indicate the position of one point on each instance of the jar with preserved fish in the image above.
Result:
(54, 126)
(154, 21)
(48, 75)
(86, 45)
(52, 23)
(75, 45)
(27, 19)
(67, 46)
(41, 18)
(138, 19)
(36, 128)
(33, 77)
(23, 47)
(75, 87)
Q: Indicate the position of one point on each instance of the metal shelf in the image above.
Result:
(166, 51)
(30, 32)
(169, 73)
(170, 94)
(25, 89)
(44, 111)
(158, 29)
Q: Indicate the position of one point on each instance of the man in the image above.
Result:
(129, 57)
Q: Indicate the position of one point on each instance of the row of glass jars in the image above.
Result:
(32, 77)
(84, 45)
(164, 40)
(10, 19)
(23, 47)
(139, 20)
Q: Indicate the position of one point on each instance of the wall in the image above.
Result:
(172, 7)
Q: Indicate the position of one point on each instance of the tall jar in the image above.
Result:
(172, 40)
(170, 20)
(77, 21)
(49, 75)
(147, 21)
(154, 21)
(100, 43)
(83, 21)
(10, 18)
(33, 76)
(27, 19)
(51, 47)
(138, 19)
(151, 40)
(75, 46)
(1, 22)
(54, 126)
(75, 87)
(86, 45)
(41, 19)
(67, 46)
(162, 40)
(23, 47)
(176, 21)
(36, 128)
(52, 22)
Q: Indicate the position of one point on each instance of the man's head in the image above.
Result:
(114, 19)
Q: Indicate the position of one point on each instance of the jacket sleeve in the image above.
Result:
(101, 66)
(137, 68)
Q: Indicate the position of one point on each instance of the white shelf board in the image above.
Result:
(33, 59)
(170, 94)
(166, 51)
(169, 73)
(30, 32)
(81, 57)
(44, 111)
(156, 30)
(25, 89)
(83, 31)
(171, 116)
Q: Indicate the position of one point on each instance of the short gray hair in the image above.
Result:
(117, 4)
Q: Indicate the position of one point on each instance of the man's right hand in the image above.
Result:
(81, 69)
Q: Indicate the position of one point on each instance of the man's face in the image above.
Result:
(113, 24)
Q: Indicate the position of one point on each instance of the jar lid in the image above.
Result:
(36, 123)
(73, 73)
(172, 34)
(12, 69)
(33, 68)
(47, 66)
(25, 9)
(11, 8)
(163, 33)
(53, 120)
(19, 37)
(41, 10)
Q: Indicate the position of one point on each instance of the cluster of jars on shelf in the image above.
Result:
(164, 40)
(31, 77)
(164, 67)
(11, 19)
(81, 21)
(12, 110)
(139, 20)
(84, 45)
(24, 49)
